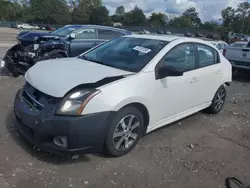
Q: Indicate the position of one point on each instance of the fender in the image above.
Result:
(47, 54)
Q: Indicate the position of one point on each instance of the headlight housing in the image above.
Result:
(74, 103)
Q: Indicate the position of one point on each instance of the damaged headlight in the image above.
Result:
(74, 103)
(36, 46)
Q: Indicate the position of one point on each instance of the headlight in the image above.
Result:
(75, 102)
(36, 46)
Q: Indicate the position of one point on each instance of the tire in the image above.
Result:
(125, 139)
(218, 101)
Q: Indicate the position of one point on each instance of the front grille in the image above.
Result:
(242, 63)
(33, 103)
(36, 99)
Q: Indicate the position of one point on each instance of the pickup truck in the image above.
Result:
(239, 57)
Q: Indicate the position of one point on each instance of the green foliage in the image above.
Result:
(120, 11)
(193, 17)
(158, 20)
(93, 12)
(135, 17)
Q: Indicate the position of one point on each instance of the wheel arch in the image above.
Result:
(143, 109)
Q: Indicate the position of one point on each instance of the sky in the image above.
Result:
(207, 9)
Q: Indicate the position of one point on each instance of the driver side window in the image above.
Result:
(86, 34)
(181, 57)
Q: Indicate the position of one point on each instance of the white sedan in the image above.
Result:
(220, 45)
(110, 96)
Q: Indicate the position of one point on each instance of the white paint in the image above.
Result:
(167, 100)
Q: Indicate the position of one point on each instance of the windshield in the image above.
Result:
(126, 53)
(63, 31)
(236, 44)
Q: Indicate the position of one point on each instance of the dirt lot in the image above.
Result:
(199, 151)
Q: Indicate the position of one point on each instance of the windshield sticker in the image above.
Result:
(72, 29)
(142, 49)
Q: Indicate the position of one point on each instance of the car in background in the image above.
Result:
(144, 31)
(25, 26)
(13, 25)
(197, 34)
(68, 41)
(188, 34)
(163, 31)
(50, 28)
(212, 36)
(239, 56)
(99, 101)
(220, 45)
(238, 37)
(238, 44)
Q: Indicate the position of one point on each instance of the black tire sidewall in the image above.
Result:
(109, 147)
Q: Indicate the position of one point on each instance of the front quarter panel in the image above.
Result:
(138, 88)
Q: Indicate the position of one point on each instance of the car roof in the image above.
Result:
(156, 37)
(101, 27)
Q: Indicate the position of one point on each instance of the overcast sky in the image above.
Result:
(208, 9)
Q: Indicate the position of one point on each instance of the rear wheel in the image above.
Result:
(218, 101)
(125, 131)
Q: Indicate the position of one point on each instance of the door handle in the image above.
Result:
(194, 80)
(218, 71)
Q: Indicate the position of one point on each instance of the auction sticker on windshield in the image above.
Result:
(142, 49)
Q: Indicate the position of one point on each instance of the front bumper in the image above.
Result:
(84, 134)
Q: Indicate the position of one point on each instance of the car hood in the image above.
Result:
(56, 77)
(32, 35)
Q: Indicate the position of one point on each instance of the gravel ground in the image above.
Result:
(199, 151)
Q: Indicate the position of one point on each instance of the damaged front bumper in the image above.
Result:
(18, 59)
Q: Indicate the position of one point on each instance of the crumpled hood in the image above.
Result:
(32, 35)
(57, 76)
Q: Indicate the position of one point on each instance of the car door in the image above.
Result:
(210, 72)
(85, 39)
(177, 94)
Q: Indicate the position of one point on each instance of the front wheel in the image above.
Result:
(125, 131)
(218, 101)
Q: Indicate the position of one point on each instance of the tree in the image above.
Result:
(120, 11)
(157, 19)
(135, 17)
(228, 17)
(180, 22)
(83, 11)
(210, 26)
(100, 15)
(193, 16)
(80, 14)
(44, 11)
(242, 14)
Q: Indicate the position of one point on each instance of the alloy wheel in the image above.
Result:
(220, 99)
(126, 132)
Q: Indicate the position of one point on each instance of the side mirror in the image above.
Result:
(167, 70)
(72, 36)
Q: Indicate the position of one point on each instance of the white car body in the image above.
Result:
(220, 45)
(25, 26)
(166, 100)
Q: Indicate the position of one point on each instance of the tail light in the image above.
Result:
(224, 52)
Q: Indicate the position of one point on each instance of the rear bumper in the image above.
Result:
(240, 64)
(83, 134)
